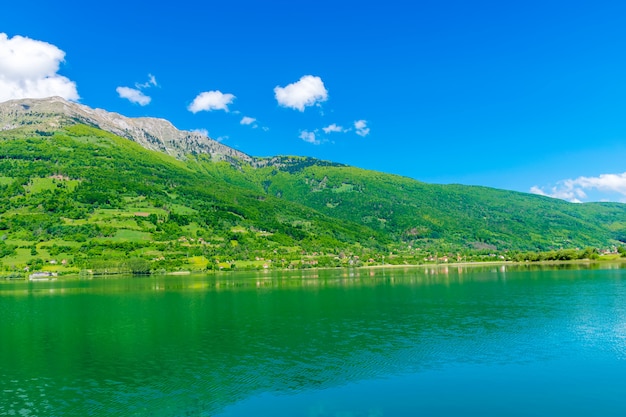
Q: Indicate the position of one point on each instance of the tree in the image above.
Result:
(138, 266)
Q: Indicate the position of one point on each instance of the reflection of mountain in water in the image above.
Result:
(166, 346)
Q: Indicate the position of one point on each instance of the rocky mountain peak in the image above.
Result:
(152, 133)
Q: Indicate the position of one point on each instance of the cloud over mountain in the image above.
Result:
(309, 137)
(28, 69)
(136, 95)
(133, 95)
(246, 120)
(361, 128)
(575, 190)
(308, 91)
(211, 100)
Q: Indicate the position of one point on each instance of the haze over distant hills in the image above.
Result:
(107, 188)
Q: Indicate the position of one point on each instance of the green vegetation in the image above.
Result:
(449, 216)
(83, 200)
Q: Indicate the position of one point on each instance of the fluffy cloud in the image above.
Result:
(333, 128)
(309, 90)
(361, 128)
(211, 100)
(251, 121)
(309, 137)
(575, 190)
(563, 193)
(28, 69)
(133, 95)
(247, 120)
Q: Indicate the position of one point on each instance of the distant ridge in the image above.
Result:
(151, 133)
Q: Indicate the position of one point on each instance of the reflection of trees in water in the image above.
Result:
(203, 342)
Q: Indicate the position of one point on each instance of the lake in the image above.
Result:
(446, 341)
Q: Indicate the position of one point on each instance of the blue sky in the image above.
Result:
(527, 96)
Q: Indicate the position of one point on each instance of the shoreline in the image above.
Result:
(79, 275)
(496, 263)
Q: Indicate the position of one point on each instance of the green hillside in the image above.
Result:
(82, 199)
(464, 216)
(95, 199)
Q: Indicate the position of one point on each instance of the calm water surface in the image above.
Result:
(486, 341)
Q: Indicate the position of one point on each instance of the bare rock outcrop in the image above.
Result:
(51, 113)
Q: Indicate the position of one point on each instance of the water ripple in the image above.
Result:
(193, 352)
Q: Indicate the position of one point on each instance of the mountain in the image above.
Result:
(84, 189)
(52, 113)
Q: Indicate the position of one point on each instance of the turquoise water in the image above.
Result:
(485, 341)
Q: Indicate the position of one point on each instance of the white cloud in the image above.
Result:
(309, 137)
(251, 121)
(309, 90)
(248, 121)
(133, 95)
(334, 128)
(576, 190)
(152, 82)
(563, 193)
(211, 100)
(203, 132)
(28, 69)
(361, 128)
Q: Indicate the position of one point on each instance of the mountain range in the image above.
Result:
(87, 189)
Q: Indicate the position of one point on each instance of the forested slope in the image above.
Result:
(76, 197)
